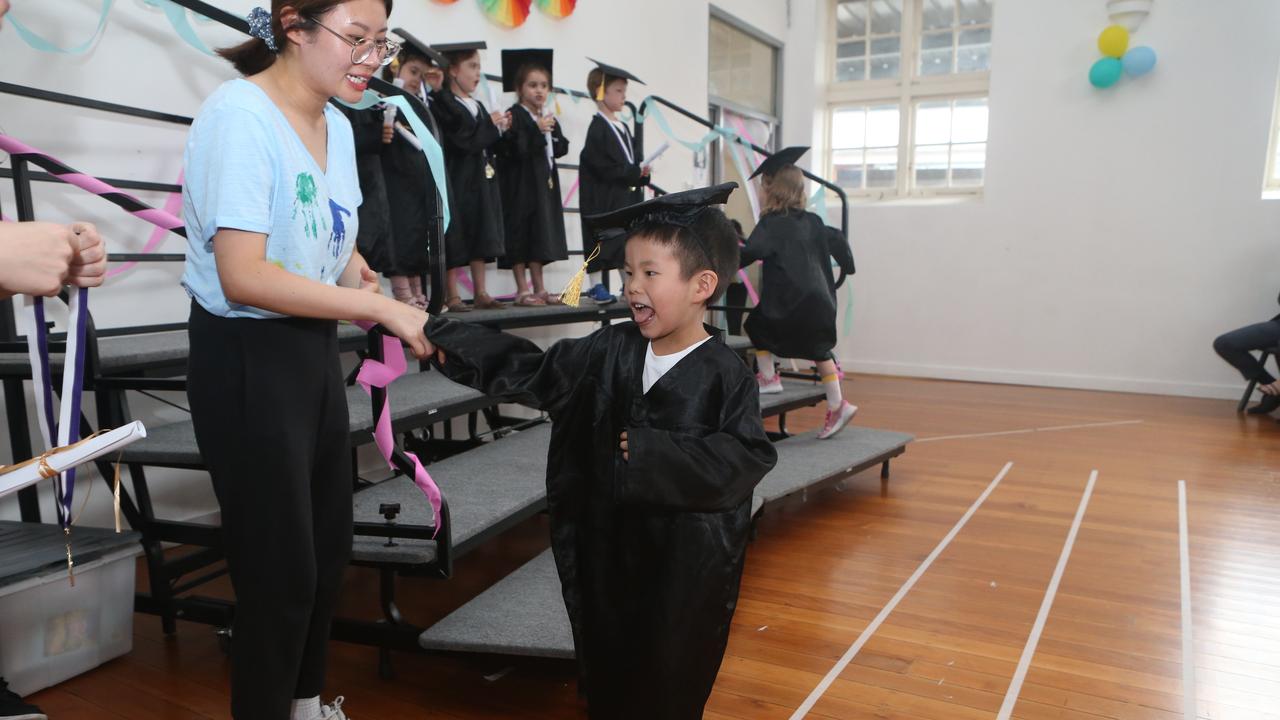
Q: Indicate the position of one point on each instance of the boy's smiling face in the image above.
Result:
(667, 306)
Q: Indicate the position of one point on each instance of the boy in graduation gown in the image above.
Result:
(796, 317)
(656, 447)
(610, 175)
(532, 208)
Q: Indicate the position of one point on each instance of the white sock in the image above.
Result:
(306, 709)
(835, 398)
(764, 363)
(594, 278)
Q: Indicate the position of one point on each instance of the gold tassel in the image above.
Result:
(600, 90)
(573, 291)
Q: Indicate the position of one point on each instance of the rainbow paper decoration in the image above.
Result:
(557, 8)
(509, 13)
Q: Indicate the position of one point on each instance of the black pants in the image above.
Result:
(270, 416)
(735, 296)
(1237, 347)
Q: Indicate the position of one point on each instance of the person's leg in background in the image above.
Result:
(1238, 347)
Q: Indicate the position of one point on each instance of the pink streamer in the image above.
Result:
(173, 206)
(374, 374)
(572, 190)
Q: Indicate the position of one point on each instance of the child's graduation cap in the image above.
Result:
(461, 47)
(513, 60)
(777, 161)
(415, 48)
(681, 209)
(611, 73)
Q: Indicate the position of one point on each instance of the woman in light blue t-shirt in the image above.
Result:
(270, 206)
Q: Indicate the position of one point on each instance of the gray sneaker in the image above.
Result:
(333, 711)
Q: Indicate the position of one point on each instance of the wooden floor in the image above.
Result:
(821, 570)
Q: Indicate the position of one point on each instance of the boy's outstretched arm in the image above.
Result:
(712, 473)
(508, 366)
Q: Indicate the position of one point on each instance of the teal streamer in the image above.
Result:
(181, 23)
(39, 42)
(430, 148)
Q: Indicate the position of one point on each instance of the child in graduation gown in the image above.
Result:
(533, 210)
(471, 132)
(656, 446)
(796, 317)
(610, 175)
(413, 204)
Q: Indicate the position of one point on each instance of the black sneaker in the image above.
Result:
(1267, 405)
(12, 707)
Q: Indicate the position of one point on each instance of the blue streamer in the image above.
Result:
(38, 42)
(430, 148)
(178, 18)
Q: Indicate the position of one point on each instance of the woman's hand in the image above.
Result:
(626, 452)
(409, 324)
(388, 132)
(89, 266)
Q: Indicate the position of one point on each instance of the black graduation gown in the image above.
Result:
(475, 229)
(796, 317)
(374, 238)
(650, 551)
(411, 196)
(532, 209)
(607, 182)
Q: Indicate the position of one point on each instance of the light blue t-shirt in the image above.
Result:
(246, 169)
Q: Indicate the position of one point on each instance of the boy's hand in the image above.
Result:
(440, 356)
(626, 455)
(388, 133)
(369, 281)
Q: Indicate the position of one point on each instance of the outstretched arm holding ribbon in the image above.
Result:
(38, 258)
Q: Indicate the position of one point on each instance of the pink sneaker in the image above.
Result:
(837, 419)
(768, 387)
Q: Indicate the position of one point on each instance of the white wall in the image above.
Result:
(139, 62)
(1120, 231)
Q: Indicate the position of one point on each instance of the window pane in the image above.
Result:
(931, 165)
(975, 50)
(939, 14)
(847, 70)
(936, 53)
(848, 168)
(851, 49)
(741, 68)
(968, 164)
(884, 61)
(970, 121)
(848, 128)
(975, 12)
(851, 18)
(1275, 165)
(882, 126)
(933, 123)
(886, 16)
(882, 168)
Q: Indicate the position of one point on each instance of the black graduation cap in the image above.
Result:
(615, 72)
(415, 47)
(513, 60)
(679, 208)
(777, 161)
(461, 46)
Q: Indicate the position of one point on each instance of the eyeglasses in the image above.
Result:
(364, 47)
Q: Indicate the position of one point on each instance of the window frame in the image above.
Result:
(908, 89)
(1271, 183)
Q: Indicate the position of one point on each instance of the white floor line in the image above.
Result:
(879, 619)
(1015, 686)
(1028, 431)
(1188, 647)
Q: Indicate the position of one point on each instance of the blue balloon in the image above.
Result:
(1139, 61)
(1106, 72)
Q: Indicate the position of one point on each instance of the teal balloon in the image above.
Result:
(1106, 72)
(1139, 61)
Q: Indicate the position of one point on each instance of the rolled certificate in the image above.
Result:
(389, 111)
(58, 460)
(409, 137)
(656, 154)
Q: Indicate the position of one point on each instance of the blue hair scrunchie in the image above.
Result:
(260, 27)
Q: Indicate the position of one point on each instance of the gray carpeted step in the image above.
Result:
(120, 354)
(805, 461)
(414, 397)
(794, 395)
(517, 316)
(523, 614)
(31, 549)
(488, 489)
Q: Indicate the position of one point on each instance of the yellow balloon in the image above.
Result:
(1114, 41)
